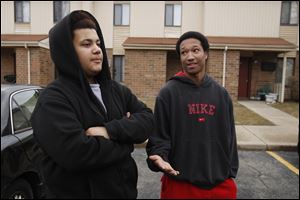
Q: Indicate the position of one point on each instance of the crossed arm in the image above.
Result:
(100, 130)
(158, 161)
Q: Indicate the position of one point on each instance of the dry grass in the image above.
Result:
(242, 115)
(289, 107)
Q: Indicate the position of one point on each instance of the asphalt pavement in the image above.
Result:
(257, 177)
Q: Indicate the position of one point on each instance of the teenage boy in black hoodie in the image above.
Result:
(85, 122)
(194, 142)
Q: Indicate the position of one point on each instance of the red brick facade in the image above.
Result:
(145, 71)
(173, 64)
(41, 67)
(215, 69)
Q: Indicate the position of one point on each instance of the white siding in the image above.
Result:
(172, 32)
(290, 33)
(75, 5)
(192, 16)
(103, 12)
(41, 16)
(216, 18)
(7, 17)
(120, 35)
(147, 18)
(242, 18)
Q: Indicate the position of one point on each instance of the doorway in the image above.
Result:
(244, 78)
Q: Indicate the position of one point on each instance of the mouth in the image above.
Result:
(192, 65)
(96, 60)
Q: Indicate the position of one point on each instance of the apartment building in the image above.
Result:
(254, 44)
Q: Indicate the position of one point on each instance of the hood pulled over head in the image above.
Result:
(63, 53)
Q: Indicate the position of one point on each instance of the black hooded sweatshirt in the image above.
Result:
(79, 166)
(195, 131)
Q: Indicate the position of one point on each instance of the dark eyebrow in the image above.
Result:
(90, 40)
(195, 45)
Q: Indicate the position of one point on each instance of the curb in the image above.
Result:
(255, 147)
(250, 147)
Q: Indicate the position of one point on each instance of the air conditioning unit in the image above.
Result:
(268, 66)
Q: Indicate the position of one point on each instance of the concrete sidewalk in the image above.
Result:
(282, 136)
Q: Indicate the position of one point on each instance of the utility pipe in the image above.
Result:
(283, 78)
(224, 65)
(28, 65)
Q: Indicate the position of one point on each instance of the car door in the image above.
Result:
(22, 106)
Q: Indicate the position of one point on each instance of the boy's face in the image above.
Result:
(192, 56)
(87, 45)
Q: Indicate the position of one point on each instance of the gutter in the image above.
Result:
(224, 65)
(28, 64)
(43, 43)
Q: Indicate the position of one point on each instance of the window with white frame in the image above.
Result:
(60, 9)
(173, 15)
(118, 62)
(121, 14)
(289, 13)
(22, 11)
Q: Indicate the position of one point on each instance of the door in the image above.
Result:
(244, 78)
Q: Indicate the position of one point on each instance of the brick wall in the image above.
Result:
(145, 71)
(7, 63)
(260, 79)
(173, 64)
(21, 65)
(42, 69)
(215, 70)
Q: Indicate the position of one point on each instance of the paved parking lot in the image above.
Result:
(260, 176)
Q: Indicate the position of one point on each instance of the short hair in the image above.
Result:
(81, 20)
(193, 34)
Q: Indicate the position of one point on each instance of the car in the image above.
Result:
(20, 177)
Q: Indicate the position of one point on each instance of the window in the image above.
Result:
(173, 15)
(289, 13)
(118, 68)
(23, 104)
(22, 11)
(60, 9)
(121, 14)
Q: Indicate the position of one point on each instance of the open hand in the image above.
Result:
(163, 165)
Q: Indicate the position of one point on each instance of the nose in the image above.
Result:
(190, 56)
(97, 49)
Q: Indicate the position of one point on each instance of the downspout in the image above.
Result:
(224, 65)
(28, 64)
(283, 78)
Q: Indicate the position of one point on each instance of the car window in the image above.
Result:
(22, 106)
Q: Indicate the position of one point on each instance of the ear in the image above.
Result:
(206, 55)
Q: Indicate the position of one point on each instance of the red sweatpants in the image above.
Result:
(172, 189)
